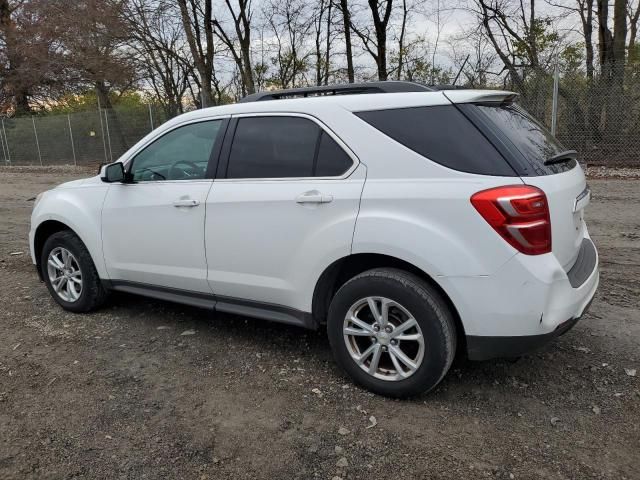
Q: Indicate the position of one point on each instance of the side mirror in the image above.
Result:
(114, 172)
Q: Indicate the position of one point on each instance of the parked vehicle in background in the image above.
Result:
(410, 221)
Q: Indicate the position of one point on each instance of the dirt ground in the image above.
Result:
(146, 389)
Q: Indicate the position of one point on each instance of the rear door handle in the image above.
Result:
(314, 196)
(186, 202)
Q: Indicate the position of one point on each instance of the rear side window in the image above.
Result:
(332, 159)
(284, 147)
(443, 134)
(273, 147)
(532, 141)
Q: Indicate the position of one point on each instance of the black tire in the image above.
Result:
(428, 308)
(93, 293)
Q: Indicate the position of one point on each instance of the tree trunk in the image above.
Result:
(619, 43)
(382, 55)
(318, 53)
(587, 27)
(346, 21)
(401, 40)
(633, 32)
(204, 71)
(247, 71)
(117, 142)
(327, 52)
(380, 25)
(13, 83)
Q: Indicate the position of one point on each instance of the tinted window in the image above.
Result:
(273, 147)
(534, 142)
(181, 154)
(442, 134)
(332, 159)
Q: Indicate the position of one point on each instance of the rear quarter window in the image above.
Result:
(523, 140)
(442, 134)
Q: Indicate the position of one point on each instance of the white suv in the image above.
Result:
(410, 221)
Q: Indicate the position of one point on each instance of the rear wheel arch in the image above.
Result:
(345, 268)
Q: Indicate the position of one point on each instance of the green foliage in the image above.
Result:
(87, 101)
(571, 59)
(420, 70)
(289, 69)
(543, 38)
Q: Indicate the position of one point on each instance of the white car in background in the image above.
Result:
(410, 221)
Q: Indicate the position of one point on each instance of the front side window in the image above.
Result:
(284, 147)
(181, 154)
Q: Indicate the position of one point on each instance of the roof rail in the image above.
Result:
(445, 86)
(389, 86)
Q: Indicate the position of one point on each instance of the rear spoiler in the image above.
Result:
(480, 96)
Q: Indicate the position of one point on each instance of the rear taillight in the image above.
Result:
(520, 214)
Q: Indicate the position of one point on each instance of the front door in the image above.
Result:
(153, 226)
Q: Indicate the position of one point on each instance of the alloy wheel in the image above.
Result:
(64, 274)
(383, 338)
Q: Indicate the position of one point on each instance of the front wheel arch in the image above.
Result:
(43, 232)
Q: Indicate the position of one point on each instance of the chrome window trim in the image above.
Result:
(325, 128)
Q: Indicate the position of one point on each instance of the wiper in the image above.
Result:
(562, 157)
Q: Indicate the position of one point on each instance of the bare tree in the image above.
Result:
(612, 44)
(196, 18)
(322, 18)
(401, 39)
(159, 40)
(291, 25)
(475, 58)
(238, 41)
(585, 11)
(375, 43)
(634, 20)
(346, 25)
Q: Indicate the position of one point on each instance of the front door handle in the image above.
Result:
(186, 202)
(314, 196)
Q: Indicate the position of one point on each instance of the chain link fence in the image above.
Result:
(601, 123)
(603, 126)
(79, 138)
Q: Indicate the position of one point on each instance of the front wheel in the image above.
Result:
(69, 272)
(392, 332)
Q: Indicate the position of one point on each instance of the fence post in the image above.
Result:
(4, 152)
(151, 117)
(73, 148)
(554, 104)
(4, 132)
(106, 124)
(35, 132)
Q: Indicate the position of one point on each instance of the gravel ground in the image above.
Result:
(145, 389)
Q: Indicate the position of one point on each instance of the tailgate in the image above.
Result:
(530, 149)
(568, 195)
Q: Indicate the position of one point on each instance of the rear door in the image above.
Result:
(283, 206)
(527, 144)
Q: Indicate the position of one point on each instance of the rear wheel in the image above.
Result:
(392, 332)
(69, 272)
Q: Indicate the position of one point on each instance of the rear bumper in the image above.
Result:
(527, 303)
(485, 348)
